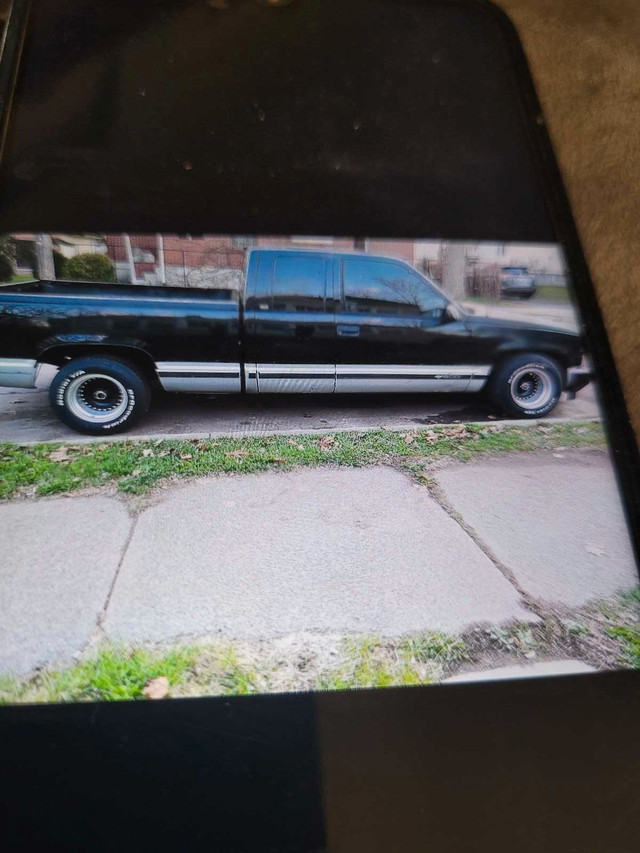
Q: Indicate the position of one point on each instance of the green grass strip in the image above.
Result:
(137, 466)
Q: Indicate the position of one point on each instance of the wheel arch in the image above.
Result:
(563, 361)
(60, 353)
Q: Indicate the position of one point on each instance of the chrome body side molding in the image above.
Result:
(224, 377)
(375, 378)
(199, 376)
(296, 378)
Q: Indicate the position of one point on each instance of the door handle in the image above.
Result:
(348, 331)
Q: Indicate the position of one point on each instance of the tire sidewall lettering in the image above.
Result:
(62, 388)
(127, 413)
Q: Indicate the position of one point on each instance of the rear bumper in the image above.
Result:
(577, 378)
(18, 372)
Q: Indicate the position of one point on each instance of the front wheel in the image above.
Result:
(99, 396)
(526, 386)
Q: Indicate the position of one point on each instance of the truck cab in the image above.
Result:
(344, 322)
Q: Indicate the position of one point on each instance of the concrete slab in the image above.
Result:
(59, 558)
(536, 670)
(556, 521)
(342, 550)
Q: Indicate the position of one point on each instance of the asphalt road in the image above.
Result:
(25, 415)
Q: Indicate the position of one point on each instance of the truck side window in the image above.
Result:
(299, 283)
(381, 287)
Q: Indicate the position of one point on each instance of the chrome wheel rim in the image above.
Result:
(96, 397)
(531, 388)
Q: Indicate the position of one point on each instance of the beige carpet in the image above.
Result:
(585, 60)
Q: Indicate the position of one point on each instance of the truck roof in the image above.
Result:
(321, 251)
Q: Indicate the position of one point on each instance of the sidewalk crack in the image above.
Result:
(437, 493)
(103, 613)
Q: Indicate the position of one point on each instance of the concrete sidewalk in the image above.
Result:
(343, 550)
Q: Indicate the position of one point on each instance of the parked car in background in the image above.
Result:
(305, 321)
(518, 282)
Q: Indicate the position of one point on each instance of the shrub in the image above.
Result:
(90, 267)
(6, 268)
(26, 254)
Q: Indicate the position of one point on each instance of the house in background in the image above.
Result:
(218, 261)
(545, 260)
(69, 245)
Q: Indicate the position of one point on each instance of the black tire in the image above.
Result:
(99, 395)
(527, 385)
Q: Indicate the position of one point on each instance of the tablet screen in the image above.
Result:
(248, 464)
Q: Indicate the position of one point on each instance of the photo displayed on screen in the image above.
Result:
(239, 464)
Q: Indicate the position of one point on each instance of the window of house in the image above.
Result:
(312, 241)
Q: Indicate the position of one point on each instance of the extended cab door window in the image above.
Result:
(293, 329)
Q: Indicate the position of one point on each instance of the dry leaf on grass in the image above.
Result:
(325, 444)
(410, 437)
(186, 456)
(236, 454)
(148, 452)
(59, 455)
(157, 688)
(455, 432)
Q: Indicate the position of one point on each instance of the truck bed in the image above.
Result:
(116, 290)
(53, 321)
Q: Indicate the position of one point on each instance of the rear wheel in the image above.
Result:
(527, 385)
(99, 396)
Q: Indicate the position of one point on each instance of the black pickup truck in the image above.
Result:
(308, 322)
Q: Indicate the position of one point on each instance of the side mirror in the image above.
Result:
(450, 313)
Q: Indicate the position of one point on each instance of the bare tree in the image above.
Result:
(161, 272)
(129, 253)
(453, 269)
(44, 257)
